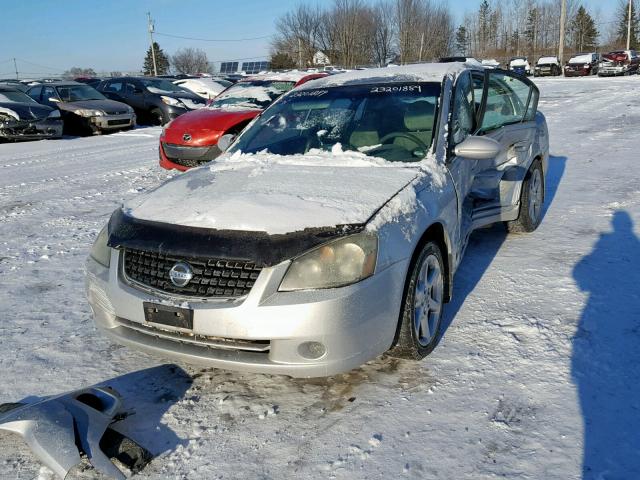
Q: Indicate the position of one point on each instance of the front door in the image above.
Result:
(508, 116)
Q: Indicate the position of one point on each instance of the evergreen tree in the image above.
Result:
(623, 25)
(162, 61)
(531, 30)
(282, 61)
(583, 31)
(484, 26)
(462, 40)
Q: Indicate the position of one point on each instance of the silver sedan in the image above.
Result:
(331, 229)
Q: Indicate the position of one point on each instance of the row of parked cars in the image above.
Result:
(620, 62)
(88, 106)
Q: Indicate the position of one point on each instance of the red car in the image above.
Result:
(192, 139)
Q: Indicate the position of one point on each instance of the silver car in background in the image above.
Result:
(331, 230)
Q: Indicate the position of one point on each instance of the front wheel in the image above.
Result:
(158, 117)
(531, 201)
(421, 316)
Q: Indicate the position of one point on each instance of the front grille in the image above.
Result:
(121, 121)
(211, 277)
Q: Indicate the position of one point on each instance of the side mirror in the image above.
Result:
(225, 141)
(478, 148)
(52, 99)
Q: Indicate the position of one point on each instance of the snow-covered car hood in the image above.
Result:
(274, 194)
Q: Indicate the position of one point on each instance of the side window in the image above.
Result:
(463, 113)
(131, 88)
(509, 100)
(35, 93)
(478, 91)
(49, 92)
(114, 87)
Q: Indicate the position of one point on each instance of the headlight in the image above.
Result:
(54, 114)
(87, 112)
(171, 101)
(100, 252)
(334, 264)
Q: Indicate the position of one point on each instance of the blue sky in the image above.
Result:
(111, 35)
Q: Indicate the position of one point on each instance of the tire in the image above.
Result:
(415, 339)
(531, 201)
(158, 117)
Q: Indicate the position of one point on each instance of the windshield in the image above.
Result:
(392, 121)
(252, 94)
(11, 96)
(158, 85)
(77, 93)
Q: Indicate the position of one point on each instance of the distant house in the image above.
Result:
(320, 58)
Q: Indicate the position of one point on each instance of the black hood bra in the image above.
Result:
(262, 249)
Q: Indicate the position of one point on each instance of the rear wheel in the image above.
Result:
(421, 317)
(531, 201)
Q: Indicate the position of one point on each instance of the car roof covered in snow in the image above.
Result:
(292, 76)
(421, 72)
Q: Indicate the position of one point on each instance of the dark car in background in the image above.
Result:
(582, 65)
(620, 62)
(83, 108)
(22, 118)
(155, 100)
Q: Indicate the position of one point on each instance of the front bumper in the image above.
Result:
(113, 122)
(263, 332)
(35, 130)
(183, 157)
(612, 71)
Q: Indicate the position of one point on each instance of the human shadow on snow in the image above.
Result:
(606, 353)
(485, 244)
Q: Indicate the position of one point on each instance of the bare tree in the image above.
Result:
(383, 33)
(190, 61)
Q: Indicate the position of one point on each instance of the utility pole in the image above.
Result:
(629, 27)
(15, 66)
(563, 17)
(421, 46)
(299, 53)
(153, 48)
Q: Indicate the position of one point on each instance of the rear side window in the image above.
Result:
(35, 93)
(114, 87)
(509, 100)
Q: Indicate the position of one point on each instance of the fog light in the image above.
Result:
(311, 350)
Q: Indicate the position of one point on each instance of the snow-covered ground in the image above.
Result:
(538, 368)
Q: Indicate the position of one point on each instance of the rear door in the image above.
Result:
(507, 115)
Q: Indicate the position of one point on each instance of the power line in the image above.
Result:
(38, 65)
(214, 39)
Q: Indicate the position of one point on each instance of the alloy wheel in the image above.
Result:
(428, 298)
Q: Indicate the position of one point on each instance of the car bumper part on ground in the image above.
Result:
(113, 122)
(266, 331)
(36, 130)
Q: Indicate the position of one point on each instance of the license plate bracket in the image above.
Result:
(167, 315)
